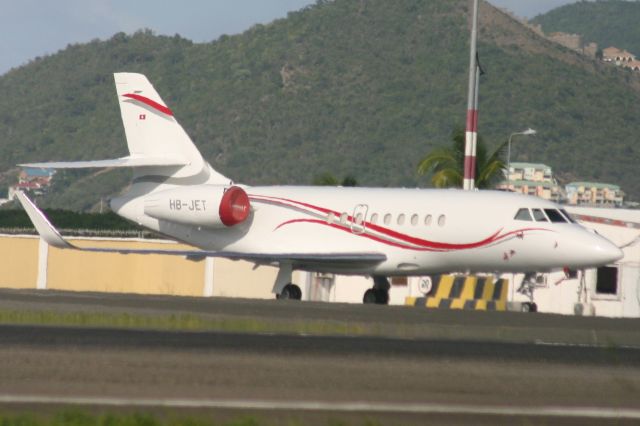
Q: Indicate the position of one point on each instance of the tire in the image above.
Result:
(526, 307)
(382, 297)
(534, 307)
(285, 294)
(370, 297)
(290, 292)
(296, 293)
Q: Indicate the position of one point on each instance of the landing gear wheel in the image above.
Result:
(529, 307)
(297, 293)
(370, 297)
(382, 297)
(377, 296)
(290, 291)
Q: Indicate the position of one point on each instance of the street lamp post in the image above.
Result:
(528, 132)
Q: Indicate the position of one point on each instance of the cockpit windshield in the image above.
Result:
(539, 216)
(543, 215)
(523, 214)
(555, 216)
(568, 216)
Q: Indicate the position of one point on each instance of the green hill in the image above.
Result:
(606, 22)
(361, 88)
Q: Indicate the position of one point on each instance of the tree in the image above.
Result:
(349, 181)
(447, 164)
(328, 179)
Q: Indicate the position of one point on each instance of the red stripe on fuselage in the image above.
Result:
(153, 104)
(422, 244)
(347, 229)
(452, 247)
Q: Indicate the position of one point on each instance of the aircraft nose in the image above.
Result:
(602, 251)
(586, 249)
(611, 252)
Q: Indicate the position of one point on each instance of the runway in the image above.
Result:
(389, 377)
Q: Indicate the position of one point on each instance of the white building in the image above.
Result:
(532, 179)
(594, 194)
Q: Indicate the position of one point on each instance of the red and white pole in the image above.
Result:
(471, 135)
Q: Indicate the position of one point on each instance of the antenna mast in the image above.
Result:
(471, 135)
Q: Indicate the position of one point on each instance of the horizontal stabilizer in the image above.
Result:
(53, 238)
(118, 162)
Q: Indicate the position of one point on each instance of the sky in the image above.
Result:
(31, 28)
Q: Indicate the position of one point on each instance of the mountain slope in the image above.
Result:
(606, 22)
(355, 88)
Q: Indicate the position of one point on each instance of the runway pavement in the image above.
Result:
(535, 373)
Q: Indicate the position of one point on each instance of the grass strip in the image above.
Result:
(180, 322)
(75, 417)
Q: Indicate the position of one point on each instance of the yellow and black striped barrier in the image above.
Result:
(464, 292)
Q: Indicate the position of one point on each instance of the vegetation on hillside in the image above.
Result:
(65, 219)
(362, 88)
(446, 164)
(606, 22)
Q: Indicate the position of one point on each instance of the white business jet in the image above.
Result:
(377, 232)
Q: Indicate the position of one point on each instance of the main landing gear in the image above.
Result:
(283, 288)
(290, 291)
(379, 294)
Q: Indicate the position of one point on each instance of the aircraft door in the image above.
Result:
(358, 224)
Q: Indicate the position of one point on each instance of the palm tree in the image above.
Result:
(447, 164)
(328, 179)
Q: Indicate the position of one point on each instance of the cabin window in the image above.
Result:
(358, 219)
(442, 220)
(414, 219)
(607, 281)
(387, 219)
(401, 219)
(374, 218)
(427, 220)
(523, 214)
(539, 216)
(555, 216)
(343, 218)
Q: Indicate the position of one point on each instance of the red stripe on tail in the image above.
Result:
(153, 104)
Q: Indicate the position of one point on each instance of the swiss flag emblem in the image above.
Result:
(142, 117)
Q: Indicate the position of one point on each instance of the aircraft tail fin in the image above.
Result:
(159, 148)
(150, 127)
(152, 131)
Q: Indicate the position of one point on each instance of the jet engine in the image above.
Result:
(210, 206)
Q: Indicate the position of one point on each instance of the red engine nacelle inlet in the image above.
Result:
(210, 206)
(234, 206)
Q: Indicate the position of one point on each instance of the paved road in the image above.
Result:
(468, 381)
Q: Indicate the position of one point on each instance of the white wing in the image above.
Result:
(50, 235)
(118, 162)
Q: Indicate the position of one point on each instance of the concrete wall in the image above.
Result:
(19, 262)
(29, 263)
